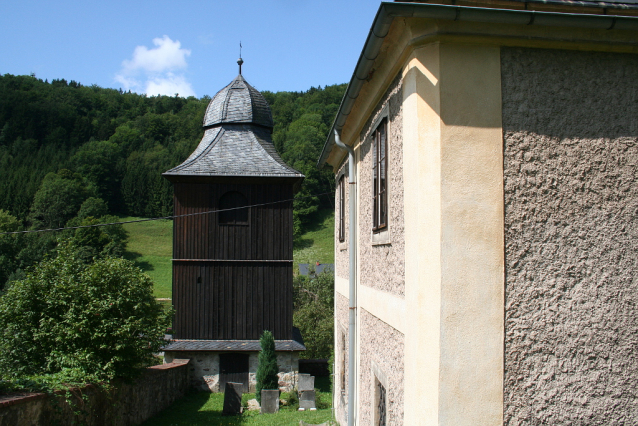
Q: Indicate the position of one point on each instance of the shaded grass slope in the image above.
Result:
(317, 243)
(150, 246)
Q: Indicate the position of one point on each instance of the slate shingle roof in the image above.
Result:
(230, 345)
(238, 102)
(235, 150)
(237, 140)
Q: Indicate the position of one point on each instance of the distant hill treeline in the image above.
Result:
(119, 143)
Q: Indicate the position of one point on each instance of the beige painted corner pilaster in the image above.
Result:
(421, 177)
(472, 251)
(453, 174)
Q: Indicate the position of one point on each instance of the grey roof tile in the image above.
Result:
(230, 345)
(237, 140)
(238, 102)
(235, 150)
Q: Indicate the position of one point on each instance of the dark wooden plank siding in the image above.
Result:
(266, 237)
(225, 305)
(232, 300)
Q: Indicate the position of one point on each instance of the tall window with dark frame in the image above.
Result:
(379, 177)
(231, 212)
(342, 209)
(381, 405)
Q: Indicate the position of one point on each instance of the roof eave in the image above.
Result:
(218, 175)
(388, 11)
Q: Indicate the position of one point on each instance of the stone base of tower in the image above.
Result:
(213, 363)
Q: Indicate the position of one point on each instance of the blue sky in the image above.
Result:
(186, 47)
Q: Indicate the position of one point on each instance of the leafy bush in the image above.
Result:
(98, 241)
(267, 369)
(79, 323)
(313, 313)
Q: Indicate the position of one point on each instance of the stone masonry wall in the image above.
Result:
(204, 368)
(382, 348)
(383, 266)
(570, 126)
(126, 404)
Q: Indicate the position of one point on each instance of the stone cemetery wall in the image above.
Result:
(126, 404)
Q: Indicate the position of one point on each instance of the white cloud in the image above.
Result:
(167, 56)
(169, 85)
(157, 71)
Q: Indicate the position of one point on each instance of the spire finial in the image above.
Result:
(240, 61)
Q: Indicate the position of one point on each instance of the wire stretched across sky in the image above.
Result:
(161, 218)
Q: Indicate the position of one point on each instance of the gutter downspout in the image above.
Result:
(352, 266)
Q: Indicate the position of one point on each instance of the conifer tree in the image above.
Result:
(267, 369)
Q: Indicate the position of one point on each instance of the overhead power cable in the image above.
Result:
(161, 218)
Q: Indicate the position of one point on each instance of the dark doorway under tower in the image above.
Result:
(233, 368)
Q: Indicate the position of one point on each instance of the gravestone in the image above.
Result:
(305, 268)
(232, 398)
(307, 400)
(269, 401)
(306, 382)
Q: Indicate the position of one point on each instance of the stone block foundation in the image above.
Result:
(205, 374)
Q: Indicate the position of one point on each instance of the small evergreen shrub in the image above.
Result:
(267, 369)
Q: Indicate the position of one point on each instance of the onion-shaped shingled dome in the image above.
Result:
(237, 140)
(238, 102)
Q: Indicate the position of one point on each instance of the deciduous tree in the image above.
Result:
(83, 322)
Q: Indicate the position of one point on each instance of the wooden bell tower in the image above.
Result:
(232, 238)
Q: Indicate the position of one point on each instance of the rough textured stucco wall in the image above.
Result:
(383, 266)
(341, 255)
(570, 125)
(341, 354)
(384, 346)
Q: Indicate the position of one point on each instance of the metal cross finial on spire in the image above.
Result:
(240, 60)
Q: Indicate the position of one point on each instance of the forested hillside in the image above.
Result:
(71, 153)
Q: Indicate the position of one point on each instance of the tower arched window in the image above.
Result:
(233, 209)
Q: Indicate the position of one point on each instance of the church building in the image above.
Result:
(485, 157)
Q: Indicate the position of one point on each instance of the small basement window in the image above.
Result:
(342, 375)
(380, 386)
(233, 209)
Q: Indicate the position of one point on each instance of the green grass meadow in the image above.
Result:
(317, 244)
(150, 246)
(203, 408)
